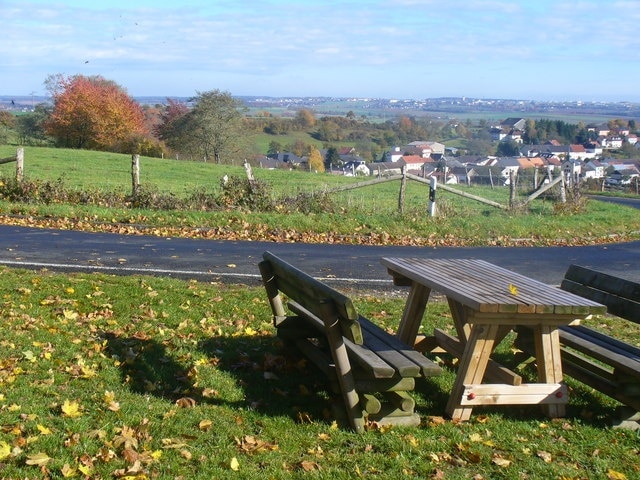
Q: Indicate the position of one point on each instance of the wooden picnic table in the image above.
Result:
(486, 303)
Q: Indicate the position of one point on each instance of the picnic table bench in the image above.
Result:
(370, 369)
(608, 364)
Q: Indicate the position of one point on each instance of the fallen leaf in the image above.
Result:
(5, 450)
(205, 425)
(234, 464)
(68, 471)
(613, 475)
(186, 402)
(499, 461)
(546, 456)
(43, 430)
(308, 466)
(71, 409)
(40, 459)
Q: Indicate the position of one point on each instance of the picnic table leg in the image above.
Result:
(547, 343)
(413, 313)
(472, 366)
(459, 319)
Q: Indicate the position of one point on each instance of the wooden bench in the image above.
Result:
(601, 361)
(371, 369)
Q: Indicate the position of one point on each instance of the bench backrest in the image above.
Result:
(315, 296)
(621, 296)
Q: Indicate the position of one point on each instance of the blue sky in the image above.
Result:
(540, 49)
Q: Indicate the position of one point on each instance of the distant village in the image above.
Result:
(429, 158)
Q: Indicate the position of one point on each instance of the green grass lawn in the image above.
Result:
(368, 215)
(139, 377)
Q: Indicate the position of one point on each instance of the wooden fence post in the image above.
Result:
(512, 189)
(135, 174)
(19, 164)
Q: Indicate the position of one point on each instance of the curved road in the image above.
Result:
(236, 262)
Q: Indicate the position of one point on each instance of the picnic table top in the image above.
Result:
(485, 287)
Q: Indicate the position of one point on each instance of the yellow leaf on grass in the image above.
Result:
(68, 471)
(5, 450)
(43, 430)
(85, 469)
(234, 464)
(71, 409)
(613, 475)
(69, 314)
(205, 425)
(40, 459)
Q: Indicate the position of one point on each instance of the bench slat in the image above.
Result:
(373, 364)
(310, 292)
(600, 350)
(619, 345)
(621, 296)
(408, 355)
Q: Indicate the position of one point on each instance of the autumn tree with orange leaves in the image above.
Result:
(93, 113)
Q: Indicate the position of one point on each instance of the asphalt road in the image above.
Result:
(236, 262)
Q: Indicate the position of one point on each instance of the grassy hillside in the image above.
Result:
(368, 215)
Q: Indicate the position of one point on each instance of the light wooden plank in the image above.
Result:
(495, 373)
(525, 394)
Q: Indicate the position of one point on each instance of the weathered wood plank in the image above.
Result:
(495, 373)
(362, 355)
(426, 366)
(603, 351)
(621, 296)
(527, 393)
(310, 292)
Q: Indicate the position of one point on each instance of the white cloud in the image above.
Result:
(279, 44)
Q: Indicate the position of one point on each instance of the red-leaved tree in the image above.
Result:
(93, 113)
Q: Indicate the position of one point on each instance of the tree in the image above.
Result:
(92, 112)
(172, 119)
(31, 125)
(508, 149)
(305, 119)
(332, 158)
(7, 124)
(274, 147)
(213, 128)
(316, 164)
